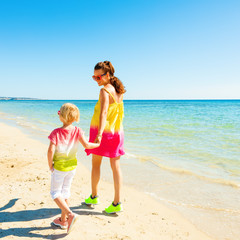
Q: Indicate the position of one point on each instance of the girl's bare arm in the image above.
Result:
(104, 100)
(51, 151)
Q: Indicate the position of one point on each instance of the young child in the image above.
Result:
(62, 161)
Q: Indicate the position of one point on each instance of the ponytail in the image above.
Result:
(117, 84)
(107, 66)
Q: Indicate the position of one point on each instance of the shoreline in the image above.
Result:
(207, 205)
(24, 165)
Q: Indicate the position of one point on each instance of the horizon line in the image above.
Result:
(147, 99)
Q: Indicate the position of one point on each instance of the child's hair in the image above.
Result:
(107, 66)
(69, 113)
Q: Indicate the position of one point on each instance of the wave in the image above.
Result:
(21, 121)
(32, 126)
(185, 171)
(194, 205)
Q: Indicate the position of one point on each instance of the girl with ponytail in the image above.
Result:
(106, 128)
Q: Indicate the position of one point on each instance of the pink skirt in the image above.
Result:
(111, 144)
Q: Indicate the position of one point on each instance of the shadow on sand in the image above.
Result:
(42, 213)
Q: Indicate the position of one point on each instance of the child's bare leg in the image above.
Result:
(64, 207)
(67, 201)
(64, 215)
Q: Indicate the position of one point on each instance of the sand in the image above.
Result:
(27, 210)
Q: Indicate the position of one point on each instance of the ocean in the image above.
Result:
(184, 153)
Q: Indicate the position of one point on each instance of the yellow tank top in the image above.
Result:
(114, 116)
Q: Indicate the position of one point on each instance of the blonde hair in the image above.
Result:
(69, 113)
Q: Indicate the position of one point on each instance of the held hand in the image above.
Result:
(97, 144)
(98, 139)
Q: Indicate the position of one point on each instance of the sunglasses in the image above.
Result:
(99, 77)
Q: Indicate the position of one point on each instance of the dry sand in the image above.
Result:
(27, 210)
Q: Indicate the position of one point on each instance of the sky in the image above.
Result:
(161, 49)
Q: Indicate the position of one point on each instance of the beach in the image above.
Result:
(181, 154)
(172, 69)
(27, 209)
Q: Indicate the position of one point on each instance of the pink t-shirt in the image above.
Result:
(66, 141)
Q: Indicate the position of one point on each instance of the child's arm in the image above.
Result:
(51, 151)
(86, 144)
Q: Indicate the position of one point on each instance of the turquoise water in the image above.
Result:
(198, 137)
(185, 153)
(202, 137)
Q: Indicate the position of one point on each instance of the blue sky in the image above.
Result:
(160, 49)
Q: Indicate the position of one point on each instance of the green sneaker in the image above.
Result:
(114, 209)
(92, 201)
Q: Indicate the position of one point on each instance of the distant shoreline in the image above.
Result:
(39, 99)
(17, 98)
